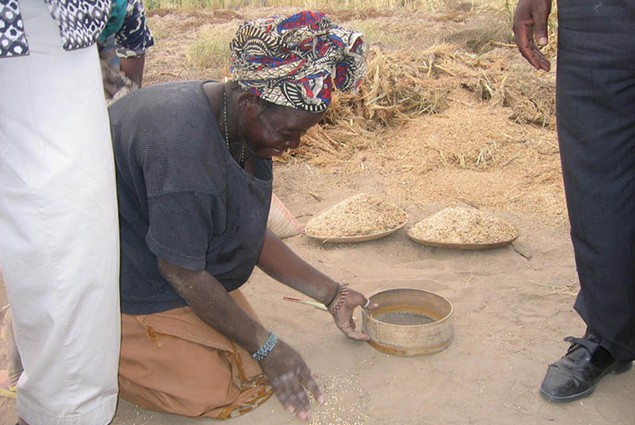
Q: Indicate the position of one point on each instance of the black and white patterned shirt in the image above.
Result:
(134, 37)
(80, 23)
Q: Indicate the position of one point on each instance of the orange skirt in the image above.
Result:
(174, 362)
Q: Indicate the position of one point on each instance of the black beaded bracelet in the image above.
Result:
(337, 290)
(266, 348)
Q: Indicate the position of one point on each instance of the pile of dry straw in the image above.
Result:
(402, 85)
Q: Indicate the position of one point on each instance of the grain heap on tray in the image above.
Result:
(357, 216)
(468, 226)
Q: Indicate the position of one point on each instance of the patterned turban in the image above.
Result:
(296, 61)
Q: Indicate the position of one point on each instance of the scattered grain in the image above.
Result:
(346, 402)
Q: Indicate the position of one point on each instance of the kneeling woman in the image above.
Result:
(194, 177)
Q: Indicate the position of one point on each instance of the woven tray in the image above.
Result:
(465, 246)
(357, 238)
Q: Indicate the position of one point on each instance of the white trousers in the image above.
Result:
(59, 249)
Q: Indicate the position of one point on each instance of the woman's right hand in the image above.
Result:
(289, 376)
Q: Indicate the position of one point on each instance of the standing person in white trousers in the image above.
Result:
(59, 250)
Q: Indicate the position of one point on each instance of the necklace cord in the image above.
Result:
(241, 159)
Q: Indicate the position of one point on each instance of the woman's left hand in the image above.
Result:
(343, 316)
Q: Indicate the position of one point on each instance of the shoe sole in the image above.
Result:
(616, 369)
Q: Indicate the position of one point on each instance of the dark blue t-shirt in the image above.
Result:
(181, 195)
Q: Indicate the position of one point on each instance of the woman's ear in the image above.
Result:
(248, 102)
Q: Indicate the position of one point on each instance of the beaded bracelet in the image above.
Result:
(343, 294)
(337, 290)
(266, 348)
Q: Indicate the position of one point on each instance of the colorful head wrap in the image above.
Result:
(297, 60)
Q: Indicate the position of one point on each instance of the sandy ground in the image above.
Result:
(512, 305)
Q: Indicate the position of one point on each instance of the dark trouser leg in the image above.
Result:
(596, 129)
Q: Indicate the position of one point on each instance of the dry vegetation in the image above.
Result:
(449, 113)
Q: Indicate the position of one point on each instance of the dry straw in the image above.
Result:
(405, 84)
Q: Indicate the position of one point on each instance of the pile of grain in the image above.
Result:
(468, 226)
(359, 215)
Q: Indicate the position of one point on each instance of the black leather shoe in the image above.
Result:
(577, 373)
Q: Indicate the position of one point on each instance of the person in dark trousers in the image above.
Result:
(595, 97)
